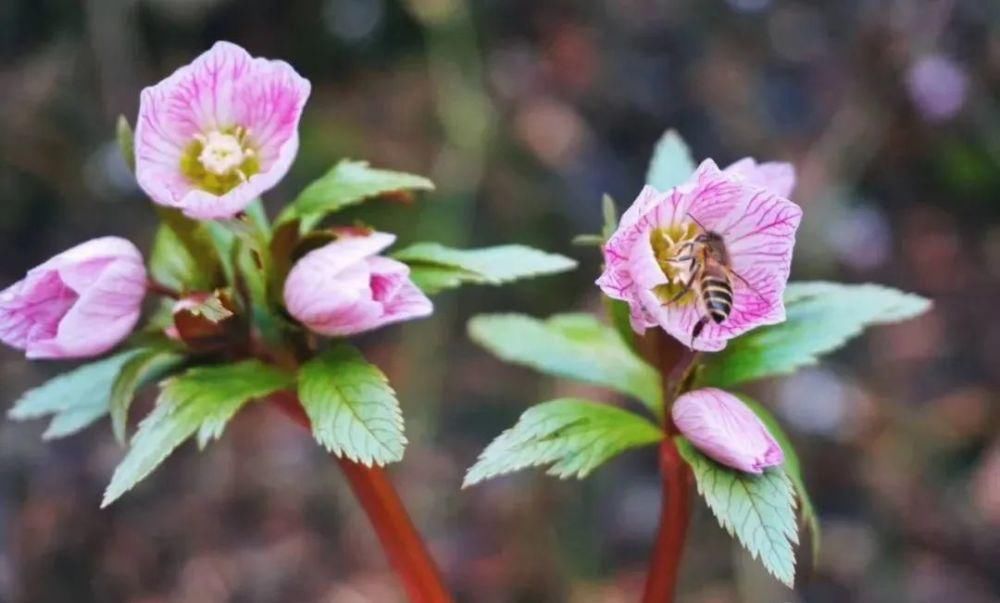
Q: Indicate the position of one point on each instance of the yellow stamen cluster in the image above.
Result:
(669, 244)
(220, 160)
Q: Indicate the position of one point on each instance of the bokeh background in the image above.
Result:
(524, 113)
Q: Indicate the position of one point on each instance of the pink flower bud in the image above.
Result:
(80, 303)
(344, 288)
(722, 427)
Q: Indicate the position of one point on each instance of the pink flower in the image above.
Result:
(648, 260)
(344, 288)
(80, 303)
(218, 132)
(722, 427)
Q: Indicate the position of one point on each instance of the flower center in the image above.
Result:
(220, 160)
(672, 249)
(222, 154)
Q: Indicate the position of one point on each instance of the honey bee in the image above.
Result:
(711, 277)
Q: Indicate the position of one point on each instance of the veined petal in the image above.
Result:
(723, 428)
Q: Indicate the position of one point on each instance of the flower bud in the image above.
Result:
(205, 321)
(344, 287)
(80, 303)
(725, 429)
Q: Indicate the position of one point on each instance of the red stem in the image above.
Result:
(674, 361)
(675, 514)
(400, 540)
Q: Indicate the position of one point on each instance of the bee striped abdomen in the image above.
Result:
(717, 294)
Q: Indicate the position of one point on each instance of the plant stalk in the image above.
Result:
(399, 538)
(674, 361)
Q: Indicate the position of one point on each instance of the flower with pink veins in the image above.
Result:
(218, 132)
(722, 427)
(344, 287)
(647, 260)
(80, 303)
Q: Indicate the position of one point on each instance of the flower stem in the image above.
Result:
(675, 513)
(161, 289)
(674, 361)
(399, 538)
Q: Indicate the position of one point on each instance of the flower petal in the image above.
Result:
(105, 313)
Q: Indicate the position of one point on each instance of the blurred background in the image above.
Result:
(524, 113)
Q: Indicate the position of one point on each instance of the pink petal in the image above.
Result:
(722, 427)
(777, 177)
(104, 315)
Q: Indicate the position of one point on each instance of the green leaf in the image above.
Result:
(437, 267)
(144, 366)
(203, 399)
(575, 346)
(821, 317)
(126, 141)
(588, 240)
(792, 467)
(573, 436)
(671, 164)
(610, 213)
(183, 255)
(75, 399)
(759, 510)
(353, 410)
(347, 183)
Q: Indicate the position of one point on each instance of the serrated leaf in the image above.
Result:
(438, 267)
(574, 346)
(203, 399)
(571, 435)
(759, 510)
(146, 365)
(821, 317)
(792, 467)
(671, 164)
(353, 410)
(347, 183)
(74, 399)
(126, 141)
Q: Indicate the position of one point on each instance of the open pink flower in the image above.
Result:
(647, 258)
(724, 429)
(80, 303)
(344, 288)
(218, 132)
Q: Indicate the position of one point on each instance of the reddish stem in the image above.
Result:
(161, 289)
(400, 540)
(674, 361)
(675, 513)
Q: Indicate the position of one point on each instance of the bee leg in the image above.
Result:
(697, 329)
(687, 287)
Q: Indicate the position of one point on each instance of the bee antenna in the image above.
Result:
(696, 221)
